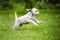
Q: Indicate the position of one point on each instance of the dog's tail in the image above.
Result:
(15, 15)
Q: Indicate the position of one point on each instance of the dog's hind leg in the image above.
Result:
(20, 26)
(14, 26)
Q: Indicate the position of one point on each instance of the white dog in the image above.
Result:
(29, 17)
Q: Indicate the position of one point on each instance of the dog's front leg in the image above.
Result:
(38, 21)
(33, 22)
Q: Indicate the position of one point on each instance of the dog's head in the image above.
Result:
(33, 11)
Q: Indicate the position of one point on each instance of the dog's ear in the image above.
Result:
(28, 9)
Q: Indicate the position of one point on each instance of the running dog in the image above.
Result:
(29, 17)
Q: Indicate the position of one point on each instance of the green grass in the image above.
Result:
(48, 30)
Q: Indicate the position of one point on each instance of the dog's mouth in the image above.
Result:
(36, 14)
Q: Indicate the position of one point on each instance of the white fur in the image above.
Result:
(29, 17)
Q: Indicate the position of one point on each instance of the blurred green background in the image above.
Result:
(49, 14)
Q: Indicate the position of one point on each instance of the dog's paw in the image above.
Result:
(35, 24)
(40, 21)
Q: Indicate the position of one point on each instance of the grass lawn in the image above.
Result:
(48, 30)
